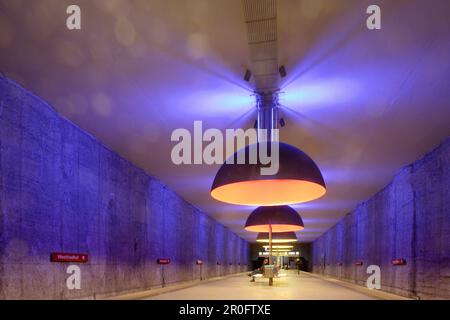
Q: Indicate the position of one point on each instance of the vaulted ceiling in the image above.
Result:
(362, 103)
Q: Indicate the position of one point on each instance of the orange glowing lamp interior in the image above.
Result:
(268, 192)
(275, 228)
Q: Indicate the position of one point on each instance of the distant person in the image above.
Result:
(302, 264)
(305, 265)
(298, 265)
(259, 270)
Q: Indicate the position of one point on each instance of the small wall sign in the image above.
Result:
(163, 261)
(398, 262)
(68, 257)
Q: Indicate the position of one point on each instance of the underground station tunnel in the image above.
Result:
(224, 150)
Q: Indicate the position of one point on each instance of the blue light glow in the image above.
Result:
(319, 93)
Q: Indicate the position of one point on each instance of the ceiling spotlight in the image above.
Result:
(282, 71)
(248, 75)
(274, 219)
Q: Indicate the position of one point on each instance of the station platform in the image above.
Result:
(293, 286)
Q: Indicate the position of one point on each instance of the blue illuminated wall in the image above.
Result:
(409, 219)
(63, 191)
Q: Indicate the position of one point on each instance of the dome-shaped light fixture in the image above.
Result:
(278, 247)
(274, 219)
(279, 237)
(298, 179)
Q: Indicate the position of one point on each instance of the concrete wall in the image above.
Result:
(410, 219)
(63, 191)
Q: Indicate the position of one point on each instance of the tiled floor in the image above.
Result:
(293, 286)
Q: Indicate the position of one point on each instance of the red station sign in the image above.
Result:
(68, 257)
(398, 262)
(358, 263)
(163, 261)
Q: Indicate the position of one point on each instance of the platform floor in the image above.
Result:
(293, 286)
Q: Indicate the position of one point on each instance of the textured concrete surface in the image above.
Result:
(63, 191)
(410, 219)
(291, 287)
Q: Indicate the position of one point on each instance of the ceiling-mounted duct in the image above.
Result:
(261, 19)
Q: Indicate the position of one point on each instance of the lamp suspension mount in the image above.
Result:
(267, 109)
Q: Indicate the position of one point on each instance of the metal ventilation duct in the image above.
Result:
(261, 19)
